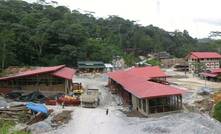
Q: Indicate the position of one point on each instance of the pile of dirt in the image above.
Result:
(14, 70)
(217, 97)
(204, 105)
(61, 118)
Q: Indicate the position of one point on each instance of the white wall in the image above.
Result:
(135, 103)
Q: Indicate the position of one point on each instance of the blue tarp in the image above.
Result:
(37, 107)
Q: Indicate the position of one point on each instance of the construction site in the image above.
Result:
(114, 108)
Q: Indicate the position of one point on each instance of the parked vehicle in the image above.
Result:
(77, 88)
(90, 98)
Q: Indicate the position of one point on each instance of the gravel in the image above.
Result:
(95, 121)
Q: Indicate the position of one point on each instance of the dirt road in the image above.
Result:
(95, 121)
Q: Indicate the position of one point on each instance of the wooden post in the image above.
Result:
(147, 106)
(164, 101)
(181, 103)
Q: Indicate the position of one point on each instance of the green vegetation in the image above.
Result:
(154, 62)
(5, 127)
(200, 67)
(40, 34)
(130, 59)
(217, 111)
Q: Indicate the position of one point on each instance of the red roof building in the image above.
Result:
(209, 60)
(142, 88)
(42, 78)
(147, 72)
(216, 71)
(204, 55)
(212, 74)
(136, 89)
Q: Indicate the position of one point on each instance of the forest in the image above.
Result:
(33, 34)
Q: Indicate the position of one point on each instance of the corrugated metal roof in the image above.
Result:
(204, 55)
(66, 73)
(62, 72)
(147, 72)
(142, 88)
(209, 74)
(90, 64)
(218, 70)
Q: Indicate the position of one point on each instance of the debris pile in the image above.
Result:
(35, 96)
(56, 119)
(61, 118)
(28, 114)
(205, 105)
(217, 97)
(32, 116)
(17, 113)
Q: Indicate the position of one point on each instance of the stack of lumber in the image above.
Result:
(21, 114)
(15, 113)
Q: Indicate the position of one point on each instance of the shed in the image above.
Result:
(108, 67)
(90, 66)
(146, 96)
(44, 79)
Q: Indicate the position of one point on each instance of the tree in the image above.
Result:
(6, 41)
(41, 34)
(199, 67)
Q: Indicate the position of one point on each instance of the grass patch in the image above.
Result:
(5, 127)
(217, 111)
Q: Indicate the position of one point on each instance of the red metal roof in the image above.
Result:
(140, 87)
(147, 72)
(209, 74)
(66, 73)
(41, 70)
(204, 55)
(215, 71)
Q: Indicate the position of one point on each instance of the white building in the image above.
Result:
(203, 60)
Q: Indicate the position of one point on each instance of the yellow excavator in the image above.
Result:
(77, 88)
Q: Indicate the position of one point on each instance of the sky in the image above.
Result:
(199, 17)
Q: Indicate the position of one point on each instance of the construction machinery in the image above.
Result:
(77, 88)
(90, 98)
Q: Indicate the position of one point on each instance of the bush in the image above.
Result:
(130, 59)
(154, 62)
(217, 111)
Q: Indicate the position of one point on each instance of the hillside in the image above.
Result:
(35, 34)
